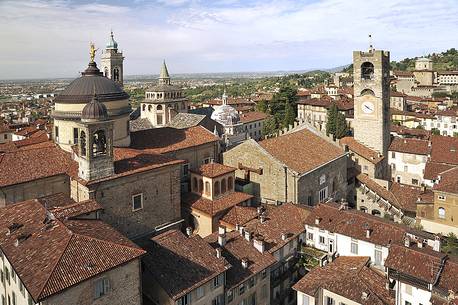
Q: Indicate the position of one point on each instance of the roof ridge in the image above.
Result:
(57, 261)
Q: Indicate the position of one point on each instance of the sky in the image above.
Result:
(50, 38)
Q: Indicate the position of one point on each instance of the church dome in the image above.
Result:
(91, 81)
(112, 44)
(226, 115)
(94, 111)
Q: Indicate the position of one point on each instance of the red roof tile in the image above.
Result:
(253, 116)
(433, 169)
(410, 146)
(361, 150)
(213, 170)
(239, 215)
(444, 149)
(213, 207)
(298, 150)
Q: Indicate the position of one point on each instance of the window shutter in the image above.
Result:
(106, 285)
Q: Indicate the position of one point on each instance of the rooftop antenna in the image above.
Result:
(371, 46)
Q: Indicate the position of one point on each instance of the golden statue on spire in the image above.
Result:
(92, 51)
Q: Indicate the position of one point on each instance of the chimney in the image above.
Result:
(222, 236)
(244, 263)
(258, 243)
(248, 235)
(237, 227)
(343, 204)
(284, 236)
(368, 233)
(262, 218)
(437, 243)
(420, 243)
(219, 252)
(317, 220)
(189, 231)
(407, 241)
(364, 295)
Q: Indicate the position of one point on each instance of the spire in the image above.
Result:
(112, 44)
(164, 77)
(224, 97)
(371, 46)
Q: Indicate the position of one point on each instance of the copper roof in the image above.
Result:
(51, 256)
(212, 170)
(236, 249)
(302, 151)
(180, 264)
(350, 277)
(362, 150)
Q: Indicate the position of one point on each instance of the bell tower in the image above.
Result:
(371, 73)
(95, 142)
(112, 62)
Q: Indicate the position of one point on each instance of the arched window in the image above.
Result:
(194, 184)
(83, 143)
(143, 107)
(367, 92)
(223, 186)
(367, 70)
(106, 72)
(99, 143)
(230, 183)
(207, 188)
(376, 213)
(116, 74)
(201, 186)
(216, 190)
(150, 107)
(363, 209)
(441, 213)
(159, 107)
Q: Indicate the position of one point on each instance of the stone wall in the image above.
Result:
(125, 289)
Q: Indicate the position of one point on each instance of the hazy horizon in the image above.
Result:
(50, 39)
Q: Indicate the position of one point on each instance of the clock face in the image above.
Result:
(368, 107)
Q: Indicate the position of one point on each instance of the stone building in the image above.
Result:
(299, 167)
(163, 101)
(315, 110)
(253, 123)
(212, 196)
(183, 270)
(60, 255)
(112, 62)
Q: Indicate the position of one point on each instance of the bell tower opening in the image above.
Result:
(367, 71)
(112, 61)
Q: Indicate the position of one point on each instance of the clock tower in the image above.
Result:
(371, 124)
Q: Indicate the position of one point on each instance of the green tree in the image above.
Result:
(341, 126)
(290, 115)
(419, 126)
(262, 106)
(435, 131)
(269, 127)
(450, 244)
(332, 119)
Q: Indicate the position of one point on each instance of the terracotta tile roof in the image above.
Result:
(213, 207)
(410, 146)
(253, 116)
(167, 139)
(453, 112)
(32, 164)
(448, 279)
(239, 215)
(414, 132)
(180, 264)
(420, 263)
(4, 128)
(41, 138)
(378, 189)
(397, 94)
(56, 257)
(433, 169)
(355, 223)
(407, 196)
(298, 150)
(235, 250)
(448, 181)
(403, 73)
(212, 170)
(64, 207)
(349, 277)
(361, 150)
(444, 149)
(287, 218)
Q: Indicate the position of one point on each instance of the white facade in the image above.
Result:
(12, 291)
(345, 246)
(408, 294)
(446, 124)
(407, 168)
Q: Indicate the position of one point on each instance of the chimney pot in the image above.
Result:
(259, 244)
(189, 231)
(248, 235)
(368, 233)
(437, 243)
(284, 236)
(262, 218)
(317, 220)
(244, 263)
(219, 252)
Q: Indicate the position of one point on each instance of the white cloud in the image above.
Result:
(50, 38)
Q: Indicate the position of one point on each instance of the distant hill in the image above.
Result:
(444, 61)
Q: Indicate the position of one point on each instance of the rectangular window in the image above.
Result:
(305, 299)
(219, 300)
(137, 202)
(393, 154)
(323, 194)
(330, 301)
(309, 200)
(408, 289)
(242, 289)
(322, 240)
(185, 170)
(75, 135)
(218, 281)
(264, 273)
(230, 295)
(354, 247)
(310, 236)
(415, 181)
(21, 288)
(14, 298)
(102, 287)
(56, 132)
(251, 282)
(406, 168)
(184, 300)
(200, 292)
(378, 257)
(264, 291)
